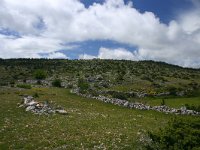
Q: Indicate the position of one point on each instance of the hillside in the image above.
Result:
(76, 85)
(144, 77)
(111, 72)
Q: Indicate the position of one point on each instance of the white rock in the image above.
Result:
(32, 103)
(64, 112)
(29, 108)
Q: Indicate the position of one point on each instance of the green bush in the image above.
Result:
(192, 107)
(180, 134)
(83, 85)
(172, 90)
(2, 83)
(119, 95)
(40, 74)
(36, 95)
(70, 86)
(163, 102)
(56, 83)
(93, 93)
(24, 86)
(12, 82)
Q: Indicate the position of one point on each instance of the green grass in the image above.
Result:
(172, 102)
(89, 125)
(136, 85)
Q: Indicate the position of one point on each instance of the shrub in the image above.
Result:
(40, 74)
(24, 80)
(163, 102)
(12, 82)
(36, 95)
(2, 83)
(94, 93)
(119, 95)
(192, 107)
(83, 85)
(145, 77)
(70, 86)
(24, 86)
(172, 90)
(180, 134)
(56, 83)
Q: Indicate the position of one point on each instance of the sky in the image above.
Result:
(160, 30)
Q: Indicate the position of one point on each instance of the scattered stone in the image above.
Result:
(40, 108)
(63, 112)
(126, 104)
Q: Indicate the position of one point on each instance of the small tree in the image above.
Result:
(56, 83)
(83, 85)
(163, 102)
(40, 74)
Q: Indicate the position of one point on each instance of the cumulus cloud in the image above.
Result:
(120, 53)
(45, 26)
(107, 53)
(86, 56)
(57, 55)
(27, 46)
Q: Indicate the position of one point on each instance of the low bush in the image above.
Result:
(2, 83)
(24, 86)
(56, 83)
(172, 90)
(40, 74)
(83, 85)
(163, 102)
(180, 134)
(36, 95)
(119, 95)
(192, 107)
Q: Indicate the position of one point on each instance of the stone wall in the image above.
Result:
(140, 106)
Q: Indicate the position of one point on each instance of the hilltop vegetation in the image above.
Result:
(113, 74)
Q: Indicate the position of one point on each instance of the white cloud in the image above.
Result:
(27, 46)
(86, 56)
(56, 55)
(107, 53)
(44, 25)
(120, 53)
(143, 54)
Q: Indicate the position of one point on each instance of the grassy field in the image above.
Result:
(174, 102)
(90, 124)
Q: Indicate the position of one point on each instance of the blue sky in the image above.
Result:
(161, 30)
(166, 10)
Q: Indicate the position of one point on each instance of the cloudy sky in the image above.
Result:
(161, 30)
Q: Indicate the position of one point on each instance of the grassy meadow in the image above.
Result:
(90, 124)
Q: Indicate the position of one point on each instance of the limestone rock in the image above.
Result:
(40, 108)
